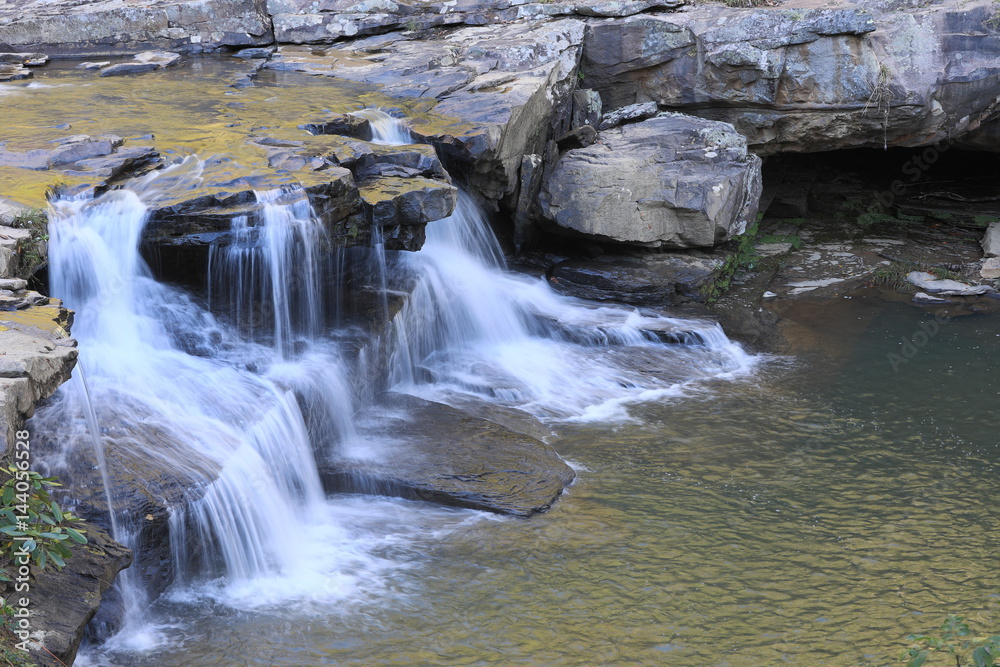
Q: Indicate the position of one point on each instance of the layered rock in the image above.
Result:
(38, 353)
(311, 22)
(674, 181)
(498, 90)
(801, 79)
(655, 280)
(64, 601)
(111, 28)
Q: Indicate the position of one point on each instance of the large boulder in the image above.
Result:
(799, 79)
(673, 181)
(62, 602)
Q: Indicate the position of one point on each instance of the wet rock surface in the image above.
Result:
(63, 602)
(650, 280)
(452, 458)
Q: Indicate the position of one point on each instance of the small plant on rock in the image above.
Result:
(33, 527)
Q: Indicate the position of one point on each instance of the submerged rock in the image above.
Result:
(673, 181)
(452, 458)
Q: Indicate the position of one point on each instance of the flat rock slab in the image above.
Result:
(653, 280)
(439, 454)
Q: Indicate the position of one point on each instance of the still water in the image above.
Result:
(815, 514)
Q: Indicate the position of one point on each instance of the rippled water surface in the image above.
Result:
(813, 515)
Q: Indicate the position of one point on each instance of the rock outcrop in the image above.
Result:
(674, 181)
(110, 28)
(805, 79)
(498, 90)
(36, 353)
(62, 602)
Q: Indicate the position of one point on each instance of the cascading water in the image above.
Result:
(237, 437)
(472, 330)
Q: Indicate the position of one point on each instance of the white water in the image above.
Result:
(473, 330)
(263, 531)
(246, 403)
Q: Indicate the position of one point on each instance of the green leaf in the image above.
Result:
(55, 511)
(12, 531)
(57, 559)
(29, 545)
(76, 536)
(41, 558)
(918, 659)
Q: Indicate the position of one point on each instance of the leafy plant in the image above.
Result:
(956, 640)
(743, 258)
(32, 250)
(10, 655)
(31, 522)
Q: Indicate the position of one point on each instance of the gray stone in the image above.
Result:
(628, 114)
(395, 201)
(587, 107)
(14, 73)
(991, 240)
(344, 124)
(655, 280)
(122, 69)
(931, 283)
(990, 270)
(113, 28)
(94, 64)
(162, 59)
(64, 601)
(808, 79)
(924, 299)
(454, 459)
(673, 181)
(38, 356)
(29, 59)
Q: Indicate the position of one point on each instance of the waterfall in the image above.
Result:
(193, 399)
(473, 330)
